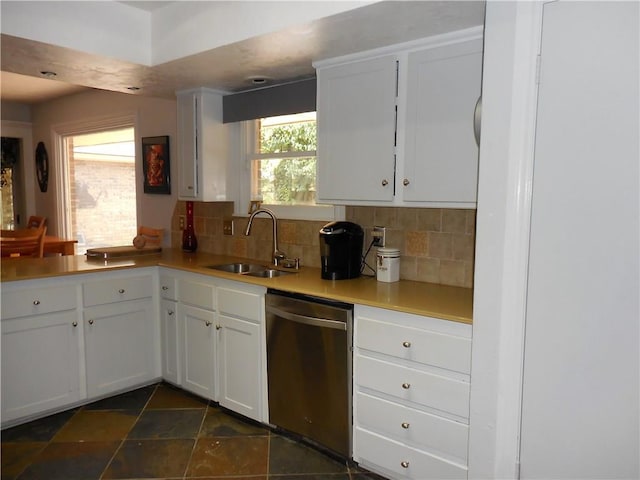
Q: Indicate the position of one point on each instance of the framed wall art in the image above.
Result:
(156, 165)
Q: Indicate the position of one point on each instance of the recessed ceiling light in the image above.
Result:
(258, 80)
(48, 74)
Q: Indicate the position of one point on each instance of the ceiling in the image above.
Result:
(280, 57)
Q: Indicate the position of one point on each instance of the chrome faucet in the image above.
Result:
(278, 256)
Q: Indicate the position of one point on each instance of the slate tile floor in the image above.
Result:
(160, 432)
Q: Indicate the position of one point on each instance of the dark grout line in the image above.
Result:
(117, 450)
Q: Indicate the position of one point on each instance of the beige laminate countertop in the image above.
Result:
(428, 299)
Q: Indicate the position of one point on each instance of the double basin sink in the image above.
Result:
(250, 269)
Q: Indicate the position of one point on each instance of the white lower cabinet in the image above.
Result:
(119, 332)
(411, 394)
(221, 349)
(241, 368)
(199, 363)
(170, 332)
(40, 348)
(196, 330)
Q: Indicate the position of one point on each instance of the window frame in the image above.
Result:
(61, 174)
(248, 136)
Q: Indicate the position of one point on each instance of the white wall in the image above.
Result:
(155, 117)
(15, 112)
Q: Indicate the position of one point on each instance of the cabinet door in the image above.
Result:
(441, 155)
(119, 346)
(239, 357)
(198, 374)
(170, 335)
(40, 363)
(187, 137)
(356, 131)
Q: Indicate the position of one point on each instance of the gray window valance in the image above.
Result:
(289, 98)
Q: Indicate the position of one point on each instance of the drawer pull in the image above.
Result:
(406, 344)
(165, 288)
(91, 322)
(75, 324)
(405, 425)
(404, 464)
(384, 182)
(207, 323)
(121, 291)
(406, 182)
(36, 302)
(406, 386)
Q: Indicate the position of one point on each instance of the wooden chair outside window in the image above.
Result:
(24, 242)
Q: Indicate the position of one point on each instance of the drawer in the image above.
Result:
(198, 294)
(36, 301)
(240, 304)
(422, 430)
(424, 346)
(420, 387)
(168, 289)
(116, 290)
(403, 461)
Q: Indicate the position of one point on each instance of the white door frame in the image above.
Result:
(24, 131)
(509, 92)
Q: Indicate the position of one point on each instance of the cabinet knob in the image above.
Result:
(406, 182)
(404, 464)
(91, 322)
(218, 327)
(405, 425)
(406, 344)
(165, 288)
(121, 291)
(385, 182)
(406, 386)
(170, 312)
(75, 324)
(36, 302)
(207, 323)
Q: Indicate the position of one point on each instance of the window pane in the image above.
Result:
(288, 133)
(286, 181)
(103, 188)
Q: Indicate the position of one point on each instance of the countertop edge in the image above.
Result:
(419, 298)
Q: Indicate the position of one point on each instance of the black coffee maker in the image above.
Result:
(341, 250)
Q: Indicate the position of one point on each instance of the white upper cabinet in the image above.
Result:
(203, 146)
(440, 151)
(356, 131)
(395, 126)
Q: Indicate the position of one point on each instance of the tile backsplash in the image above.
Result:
(436, 244)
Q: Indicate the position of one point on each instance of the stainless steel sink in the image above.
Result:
(251, 269)
(238, 267)
(268, 273)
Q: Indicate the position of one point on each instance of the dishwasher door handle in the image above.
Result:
(316, 322)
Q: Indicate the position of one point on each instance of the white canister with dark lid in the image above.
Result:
(388, 265)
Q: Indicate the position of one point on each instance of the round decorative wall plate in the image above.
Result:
(42, 166)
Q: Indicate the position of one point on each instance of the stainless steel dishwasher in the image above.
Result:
(309, 361)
